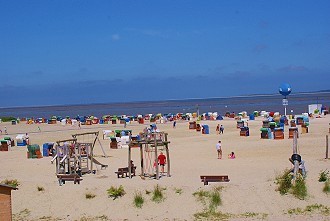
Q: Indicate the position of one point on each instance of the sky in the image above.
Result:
(84, 51)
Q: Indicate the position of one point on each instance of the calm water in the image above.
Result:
(297, 102)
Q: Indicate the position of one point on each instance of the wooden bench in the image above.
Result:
(123, 172)
(68, 177)
(207, 179)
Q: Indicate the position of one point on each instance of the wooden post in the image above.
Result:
(141, 157)
(168, 157)
(156, 156)
(129, 162)
(296, 163)
(326, 147)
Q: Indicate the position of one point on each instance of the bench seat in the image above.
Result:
(206, 179)
(68, 177)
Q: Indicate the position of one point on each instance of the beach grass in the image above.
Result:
(115, 192)
(310, 209)
(178, 191)
(14, 183)
(157, 194)
(284, 182)
(299, 189)
(90, 195)
(22, 215)
(323, 176)
(138, 200)
(326, 188)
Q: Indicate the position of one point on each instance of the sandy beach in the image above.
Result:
(250, 195)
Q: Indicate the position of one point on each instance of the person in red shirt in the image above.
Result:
(162, 161)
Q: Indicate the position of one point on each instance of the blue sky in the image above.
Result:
(80, 52)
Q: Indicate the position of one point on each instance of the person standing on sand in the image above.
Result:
(221, 129)
(219, 149)
(174, 124)
(162, 162)
(6, 132)
(27, 139)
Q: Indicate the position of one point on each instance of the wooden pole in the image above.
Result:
(156, 156)
(296, 162)
(141, 157)
(129, 161)
(326, 147)
(168, 157)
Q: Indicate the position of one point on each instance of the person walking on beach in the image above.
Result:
(79, 125)
(221, 129)
(39, 129)
(6, 132)
(219, 149)
(174, 124)
(217, 129)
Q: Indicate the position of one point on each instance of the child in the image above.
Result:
(232, 155)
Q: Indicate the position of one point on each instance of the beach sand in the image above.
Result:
(250, 195)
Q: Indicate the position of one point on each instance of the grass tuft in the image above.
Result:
(157, 194)
(90, 195)
(314, 208)
(326, 188)
(138, 200)
(14, 183)
(299, 189)
(115, 192)
(178, 191)
(324, 176)
(284, 182)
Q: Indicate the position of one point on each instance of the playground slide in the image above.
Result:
(98, 163)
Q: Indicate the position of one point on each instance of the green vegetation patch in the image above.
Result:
(310, 209)
(14, 183)
(115, 192)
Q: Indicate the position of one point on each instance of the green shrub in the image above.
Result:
(116, 192)
(7, 119)
(284, 182)
(299, 189)
(14, 183)
(138, 200)
(157, 194)
(326, 187)
(324, 175)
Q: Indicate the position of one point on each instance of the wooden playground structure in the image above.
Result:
(75, 157)
(150, 144)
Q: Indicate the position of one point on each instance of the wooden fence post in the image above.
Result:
(326, 147)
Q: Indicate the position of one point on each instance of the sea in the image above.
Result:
(297, 104)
